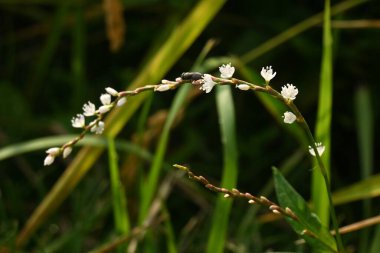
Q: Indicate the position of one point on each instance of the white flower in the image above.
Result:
(53, 151)
(78, 121)
(320, 149)
(121, 101)
(226, 70)
(49, 159)
(289, 117)
(208, 83)
(89, 109)
(98, 128)
(162, 87)
(112, 91)
(289, 91)
(67, 151)
(105, 99)
(104, 109)
(267, 73)
(243, 86)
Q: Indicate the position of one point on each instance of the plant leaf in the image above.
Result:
(288, 197)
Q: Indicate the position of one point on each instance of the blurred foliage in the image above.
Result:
(57, 55)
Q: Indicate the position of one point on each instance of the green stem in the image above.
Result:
(304, 124)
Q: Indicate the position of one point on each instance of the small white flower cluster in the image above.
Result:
(96, 126)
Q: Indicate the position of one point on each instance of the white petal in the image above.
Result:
(162, 87)
(78, 121)
(289, 91)
(121, 101)
(208, 83)
(289, 117)
(53, 151)
(89, 109)
(243, 86)
(112, 91)
(67, 152)
(98, 128)
(267, 73)
(48, 160)
(104, 109)
(226, 71)
(105, 99)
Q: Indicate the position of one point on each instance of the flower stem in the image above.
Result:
(323, 170)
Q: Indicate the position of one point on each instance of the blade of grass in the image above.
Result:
(177, 43)
(122, 224)
(170, 234)
(364, 123)
(226, 114)
(150, 186)
(47, 142)
(367, 188)
(321, 188)
(323, 123)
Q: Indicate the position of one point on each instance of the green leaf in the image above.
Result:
(288, 197)
(323, 124)
(122, 224)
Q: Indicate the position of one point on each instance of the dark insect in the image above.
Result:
(191, 76)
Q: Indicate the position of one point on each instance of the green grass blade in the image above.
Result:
(122, 224)
(154, 172)
(364, 123)
(170, 234)
(48, 142)
(367, 188)
(226, 114)
(177, 43)
(288, 197)
(323, 123)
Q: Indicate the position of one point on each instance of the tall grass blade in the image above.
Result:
(120, 213)
(367, 188)
(323, 123)
(226, 114)
(364, 123)
(150, 185)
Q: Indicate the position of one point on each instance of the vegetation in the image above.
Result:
(243, 180)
